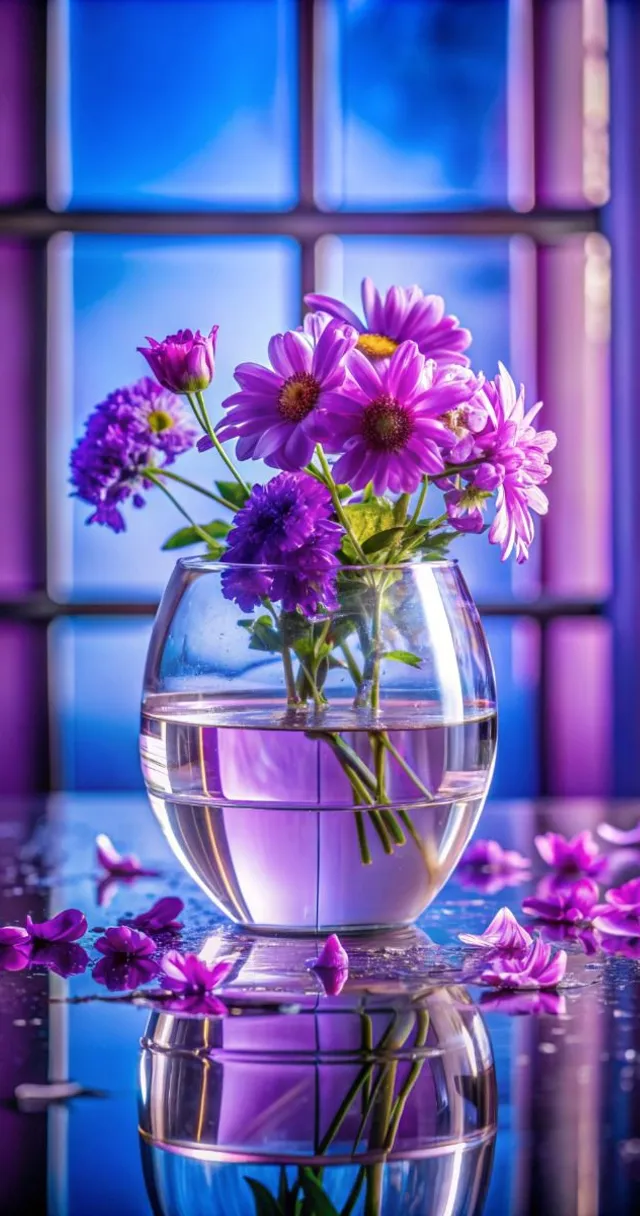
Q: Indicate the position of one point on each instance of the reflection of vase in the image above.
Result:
(349, 810)
(390, 1101)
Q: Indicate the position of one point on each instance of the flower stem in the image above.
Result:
(192, 485)
(335, 498)
(217, 445)
(354, 670)
(420, 503)
(411, 1078)
(391, 747)
(365, 851)
(151, 476)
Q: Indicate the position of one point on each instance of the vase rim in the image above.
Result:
(209, 564)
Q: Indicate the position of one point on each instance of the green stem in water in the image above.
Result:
(365, 851)
(354, 1193)
(411, 1078)
(337, 505)
(386, 742)
(151, 476)
(354, 670)
(217, 445)
(192, 485)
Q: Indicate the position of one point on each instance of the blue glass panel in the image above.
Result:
(97, 668)
(183, 103)
(486, 283)
(414, 100)
(515, 647)
(107, 293)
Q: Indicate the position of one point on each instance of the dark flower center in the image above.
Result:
(160, 420)
(387, 425)
(298, 396)
(376, 346)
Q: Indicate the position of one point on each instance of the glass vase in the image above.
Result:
(371, 1111)
(320, 772)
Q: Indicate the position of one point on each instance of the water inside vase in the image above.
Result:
(305, 821)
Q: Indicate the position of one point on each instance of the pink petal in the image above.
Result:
(504, 933)
(333, 954)
(619, 836)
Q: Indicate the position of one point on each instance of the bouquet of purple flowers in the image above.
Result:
(365, 422)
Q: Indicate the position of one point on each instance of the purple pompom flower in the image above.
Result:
(539, 967)
(67, 926)
(279, 415)
(161, 917)
(386, 422)
(126, 941)
(576, 855)
(116, 864)
(571, 903)
(284, 524)
(514, 463)
(184, 362)
(504, 935)
(190, 975)
(405, 313)
(133, 429)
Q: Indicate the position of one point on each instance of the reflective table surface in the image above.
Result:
(411, 1090)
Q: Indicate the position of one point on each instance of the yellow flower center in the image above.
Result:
(376, 346)
(298, 396)
(160, 420)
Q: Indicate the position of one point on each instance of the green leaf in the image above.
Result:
(263, 1199)
(403, 656)
(265, 637)
(190, 536)
(344, 491)
(321, 1204)
(365, 520)
(233, 492)
(381, 540)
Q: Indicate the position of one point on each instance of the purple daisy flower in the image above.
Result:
(133, 428)
(284, 524)
(279, 414)
(514, 463)
(386, 422)
(184, 362)
(404, 313)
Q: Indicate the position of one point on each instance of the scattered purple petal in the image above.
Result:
(160, 918)
(488, 855)
(15, 958)
(613, 944)
(118, 865)
(575, 855)
(540, 967)
(190, 975)
(619, 836)
(519, 1004)
(14, 935)
(619, 915)
(333, 954)
(64, 958)
(584, 937)
(572, 903)
(125, 941)
(504, 935)
(121, 973)
(67, 926)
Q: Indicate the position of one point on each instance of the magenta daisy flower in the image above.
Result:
(386, 423)
(405, 313)
(514, 463)
(278, 415)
